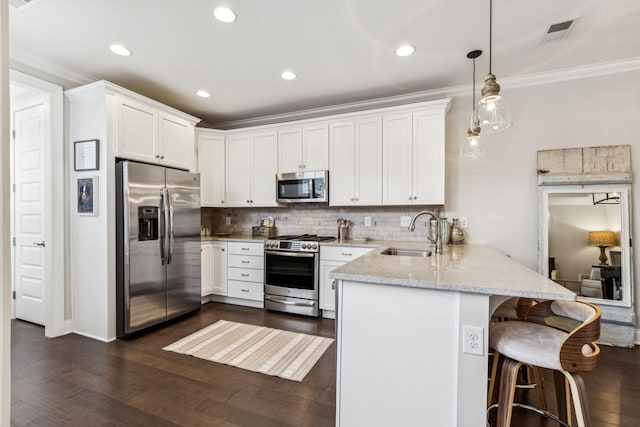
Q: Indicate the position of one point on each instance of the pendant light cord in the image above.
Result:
(490, 31)
(473, 102)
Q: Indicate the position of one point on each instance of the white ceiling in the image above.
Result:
(341, 50)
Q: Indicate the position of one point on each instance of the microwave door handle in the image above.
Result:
(163, 227)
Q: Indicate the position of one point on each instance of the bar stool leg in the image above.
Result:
(538, 377)
(508, 379)
(496, 365)
(579, 393)
(562, 400)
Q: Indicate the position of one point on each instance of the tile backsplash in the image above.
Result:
(321, 220)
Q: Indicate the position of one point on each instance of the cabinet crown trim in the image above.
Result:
(103, 86)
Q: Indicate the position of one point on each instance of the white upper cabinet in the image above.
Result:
(137, 131)
(413, 150)
(251, 164)
(304, 148)
(211, 165)
(356, 162)
(176, 142)
(148, 134)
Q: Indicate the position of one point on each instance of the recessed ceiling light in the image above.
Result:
(288, 75)
(118, 49)
(203, 93)
(224, 14)
(405, 50)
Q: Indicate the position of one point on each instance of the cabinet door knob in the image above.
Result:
(222, 249)
(333, 285)
(162, 157)
(222, 201)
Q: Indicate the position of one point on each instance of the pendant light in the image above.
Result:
(472, 147)
(492, 112)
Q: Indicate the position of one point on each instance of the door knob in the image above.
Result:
(41, 244)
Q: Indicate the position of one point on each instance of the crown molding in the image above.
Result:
(509, 83)
(17, 58)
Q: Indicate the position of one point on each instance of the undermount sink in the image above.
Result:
(406, 252)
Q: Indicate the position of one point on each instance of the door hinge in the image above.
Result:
(13, 134)
(13, 241)
(13, 187)
(14, 294)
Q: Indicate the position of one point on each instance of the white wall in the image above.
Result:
(499, 194)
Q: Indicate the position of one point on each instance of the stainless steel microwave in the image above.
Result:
(302, 187)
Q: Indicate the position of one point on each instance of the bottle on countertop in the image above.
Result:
(457, 233)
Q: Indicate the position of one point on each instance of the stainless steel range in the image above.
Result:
(292, 274)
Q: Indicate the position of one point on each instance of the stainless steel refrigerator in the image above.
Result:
(158, 245)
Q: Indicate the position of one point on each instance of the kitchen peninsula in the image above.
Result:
(412, 333)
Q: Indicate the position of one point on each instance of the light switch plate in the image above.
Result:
(367, 221)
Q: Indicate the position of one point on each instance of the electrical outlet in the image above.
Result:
(405, 221)
(228, 220)
(463, 221)
(367, 221)
(473, 340)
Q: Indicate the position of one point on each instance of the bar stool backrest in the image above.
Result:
(581, 321)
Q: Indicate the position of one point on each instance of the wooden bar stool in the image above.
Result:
(557, 335)
(516, 309)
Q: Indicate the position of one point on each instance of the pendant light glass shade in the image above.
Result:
(491, 113)
(473, 147)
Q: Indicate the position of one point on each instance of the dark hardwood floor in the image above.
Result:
(77, 381)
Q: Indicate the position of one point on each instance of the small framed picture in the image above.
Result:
(88, 196)
(86, 155)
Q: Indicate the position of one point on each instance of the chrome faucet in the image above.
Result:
(438, 239)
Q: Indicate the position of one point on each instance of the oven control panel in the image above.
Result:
(294, 246)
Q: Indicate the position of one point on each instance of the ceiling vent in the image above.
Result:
(558, 31)
(22, 4)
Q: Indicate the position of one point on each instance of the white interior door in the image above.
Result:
(31, 133)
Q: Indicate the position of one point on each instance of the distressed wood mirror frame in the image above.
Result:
(568, 173)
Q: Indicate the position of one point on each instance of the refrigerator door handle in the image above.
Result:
(163, 225)
(170, 234)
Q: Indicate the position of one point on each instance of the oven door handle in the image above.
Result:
(293, 254)
(287, 302)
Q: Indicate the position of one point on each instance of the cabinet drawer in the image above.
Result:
(342, 253)
(246, 290)
(243, 261)
(245, 248)
(246, 274)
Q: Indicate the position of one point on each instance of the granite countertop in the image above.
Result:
(478, 269)
(231, 238)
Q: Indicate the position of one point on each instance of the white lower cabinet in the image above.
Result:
(213, 259)
(245, 270)
(332, 257)
(206, 264)
(219, 268)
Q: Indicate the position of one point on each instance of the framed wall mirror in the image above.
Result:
(585, 240)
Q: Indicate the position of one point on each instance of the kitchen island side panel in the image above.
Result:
(397, 356)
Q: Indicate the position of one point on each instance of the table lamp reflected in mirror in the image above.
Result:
(603, 240)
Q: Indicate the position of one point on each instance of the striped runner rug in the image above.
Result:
(289, 355)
